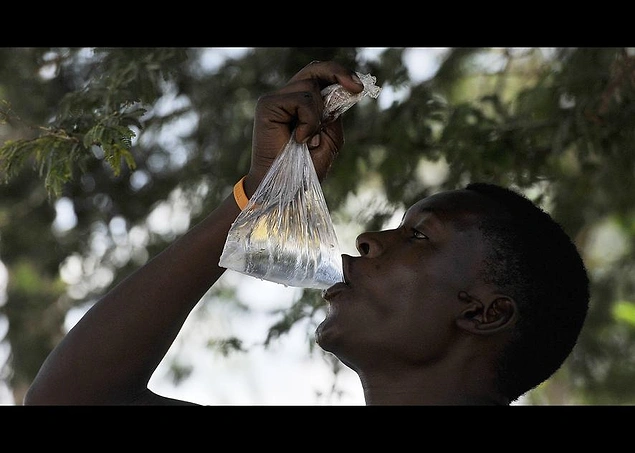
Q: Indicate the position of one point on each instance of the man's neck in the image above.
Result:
(447, 389)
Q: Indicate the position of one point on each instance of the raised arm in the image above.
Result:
(109, 356)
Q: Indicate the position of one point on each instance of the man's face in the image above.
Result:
(400, 301)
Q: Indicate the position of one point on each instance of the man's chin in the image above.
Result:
(325, 335)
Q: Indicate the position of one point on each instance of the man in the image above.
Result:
(477, 296)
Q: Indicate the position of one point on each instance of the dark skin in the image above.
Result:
(413, 319)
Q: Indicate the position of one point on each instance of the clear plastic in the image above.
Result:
(285, 234)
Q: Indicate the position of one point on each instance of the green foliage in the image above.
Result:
(56, 154)
(101, 114)
(226, 346)
(624, 311)
(305, 307)
(120, 131)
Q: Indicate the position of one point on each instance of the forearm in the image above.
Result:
(110, 355)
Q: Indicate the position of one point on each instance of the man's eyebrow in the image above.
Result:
(428, 209)
(437, 211)
(437, 214)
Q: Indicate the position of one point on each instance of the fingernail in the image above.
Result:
(314, 142)
(356, 79)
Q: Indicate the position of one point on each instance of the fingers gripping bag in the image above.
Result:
(285, 234)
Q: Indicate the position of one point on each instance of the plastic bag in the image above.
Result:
(285, 234)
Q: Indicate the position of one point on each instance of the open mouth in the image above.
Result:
(345, 267)
(331, 292)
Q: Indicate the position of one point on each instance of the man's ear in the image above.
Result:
(494, 315)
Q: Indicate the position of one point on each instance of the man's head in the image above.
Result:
(476, 282)
(531, 259)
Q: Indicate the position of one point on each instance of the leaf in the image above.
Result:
(624, 311)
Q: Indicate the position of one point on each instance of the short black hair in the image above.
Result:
(533, 260)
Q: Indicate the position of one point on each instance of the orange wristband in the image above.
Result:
(239, 194)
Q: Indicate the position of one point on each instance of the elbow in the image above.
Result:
(32, 397)
(37, 395)
(47, 391)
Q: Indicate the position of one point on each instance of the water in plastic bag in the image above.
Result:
(285, 233)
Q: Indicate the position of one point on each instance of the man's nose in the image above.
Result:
(371, 243)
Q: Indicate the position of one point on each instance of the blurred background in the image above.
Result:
(109, 154)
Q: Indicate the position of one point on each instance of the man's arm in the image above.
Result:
(109, 356)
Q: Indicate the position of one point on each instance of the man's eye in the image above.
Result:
(418, 234)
